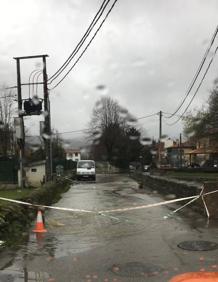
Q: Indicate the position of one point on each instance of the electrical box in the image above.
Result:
(33, 106)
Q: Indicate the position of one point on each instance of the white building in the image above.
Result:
(34, 174)
(73, 154)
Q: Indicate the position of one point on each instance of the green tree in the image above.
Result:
(204, 122)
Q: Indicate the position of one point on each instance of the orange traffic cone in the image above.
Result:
(39, 223)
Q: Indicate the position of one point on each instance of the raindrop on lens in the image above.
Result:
(170, 196)
(100, 87)
(38, 65)
(35, 100)
(132, 137)
(96, 141)
(46, 136)
(20, 112)
(145, 141)
(123, 112)
(131, 119)
(45, 113)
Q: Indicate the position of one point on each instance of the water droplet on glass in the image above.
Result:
(103, 89)
(170, 196)
(46, 136)
(131, 119)
(100, 87)
(96, 142)
(123, 111)
(145, 141)
(45, 113)
(20, 112)
(35, 100)
(38, 65)
(132, 137)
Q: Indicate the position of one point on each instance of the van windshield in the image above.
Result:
(86, 164)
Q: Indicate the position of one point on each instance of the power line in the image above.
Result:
(197, 73)
(147, 116)
(87, 129)
(65, 132)
(196, 91)
(165, 113)
(106, 16)
(83, 39)
(73, 131)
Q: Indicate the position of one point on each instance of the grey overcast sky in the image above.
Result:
(146, 55)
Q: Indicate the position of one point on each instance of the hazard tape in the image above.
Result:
(42, 206)
(191, 198)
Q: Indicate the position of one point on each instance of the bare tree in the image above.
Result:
(6, 114)
(109, 125)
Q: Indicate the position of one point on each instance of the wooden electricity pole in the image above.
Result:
(47, 128)
(47, 116)
(21, 142)
(160, 136)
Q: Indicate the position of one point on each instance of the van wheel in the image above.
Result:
(94, 178)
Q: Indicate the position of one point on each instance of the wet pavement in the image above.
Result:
(139, 245)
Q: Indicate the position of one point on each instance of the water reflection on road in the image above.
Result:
(137, 245)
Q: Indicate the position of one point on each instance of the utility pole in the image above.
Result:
(47, 128)
(21, 142)
(180, 150)
(160, 136)
(47, 116)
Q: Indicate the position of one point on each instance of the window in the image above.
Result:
(33, 170)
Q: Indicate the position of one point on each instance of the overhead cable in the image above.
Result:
(87, 129)
(147, 116)
(106, 16)
(196, 91)
(83, 39)
(197, 73)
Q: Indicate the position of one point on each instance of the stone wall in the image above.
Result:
(182, 189)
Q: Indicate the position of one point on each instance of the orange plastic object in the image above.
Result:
(39, 223)
(196, 277)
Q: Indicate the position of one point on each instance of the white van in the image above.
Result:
(85, 169)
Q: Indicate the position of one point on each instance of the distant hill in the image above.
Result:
(76, 142)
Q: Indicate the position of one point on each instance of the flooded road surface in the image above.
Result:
(138, 245)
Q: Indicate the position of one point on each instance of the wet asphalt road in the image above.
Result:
(138, 245)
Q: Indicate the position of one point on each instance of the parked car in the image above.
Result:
(85, 170)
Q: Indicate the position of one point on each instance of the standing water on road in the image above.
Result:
(137, 245)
